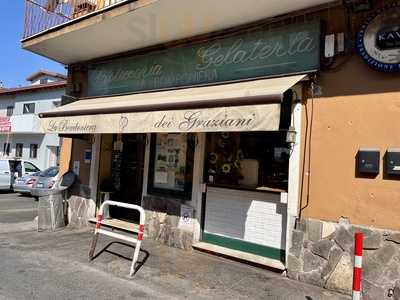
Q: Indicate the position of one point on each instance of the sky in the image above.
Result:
(15, 63)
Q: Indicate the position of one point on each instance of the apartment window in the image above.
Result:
(29, 108)
(19, 149)
(33, 151)
(6, 149)
(10, 111)
(44, 80)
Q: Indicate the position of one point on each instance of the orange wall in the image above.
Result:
(65, 155)
(359, 107)
(78, 154)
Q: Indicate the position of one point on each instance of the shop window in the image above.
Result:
(6, 149)
(248, 160)
(19, 149)
(171, 165)
(29, 108)
(10, 111)
(33, 151)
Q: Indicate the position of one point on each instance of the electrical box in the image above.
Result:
(368, 161)
(392, 162)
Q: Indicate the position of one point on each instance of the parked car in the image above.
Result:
(24, 184)
(11, 169)
(45, 180)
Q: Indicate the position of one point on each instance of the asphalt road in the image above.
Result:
(16, 208)
(54, 265)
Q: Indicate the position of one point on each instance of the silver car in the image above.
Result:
(24, 184)
(45, 180)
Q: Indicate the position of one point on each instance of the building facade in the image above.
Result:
(21, 133)
(265, 133)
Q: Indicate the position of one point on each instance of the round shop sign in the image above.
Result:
(378, 41)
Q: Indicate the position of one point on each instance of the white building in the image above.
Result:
(20, 134)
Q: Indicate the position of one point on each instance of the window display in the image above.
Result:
(249, 160)
(170, 161)
(171, 164)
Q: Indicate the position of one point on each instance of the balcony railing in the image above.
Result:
(41, 15)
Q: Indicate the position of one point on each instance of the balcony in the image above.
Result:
(74, 31)
(42, 15)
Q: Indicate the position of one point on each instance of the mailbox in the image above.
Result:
(368, 161)
(392, 162)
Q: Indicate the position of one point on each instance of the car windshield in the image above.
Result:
(50, 172)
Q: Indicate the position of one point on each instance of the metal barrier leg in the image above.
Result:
(95, 237)
(137, 249)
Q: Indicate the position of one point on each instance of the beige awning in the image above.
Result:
(244, 106)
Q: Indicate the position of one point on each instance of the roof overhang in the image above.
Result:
(146, 23)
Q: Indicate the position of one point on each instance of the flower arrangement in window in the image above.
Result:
(224, 163)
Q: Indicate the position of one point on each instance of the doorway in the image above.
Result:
(131, 168)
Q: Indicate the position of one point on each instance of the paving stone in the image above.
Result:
(322, 248)
(334, 257)
(372, 270)
(341, 278)
(373, 241)
(344, 239)
(328, 230)
(371, 291)
(385, 254)
(307, 244)
(366, 231)
(344, 221)
(314, 230)
(302, 225)
(297, 243)
(312, 262)
(313, 277)
(393, 237)
(390, 274)
(396, 291)
(294, 267)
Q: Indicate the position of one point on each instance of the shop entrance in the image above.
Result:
(128, 166)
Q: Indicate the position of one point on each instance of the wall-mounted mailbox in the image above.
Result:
(392, 162)
(368, 161)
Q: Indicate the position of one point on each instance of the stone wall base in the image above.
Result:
(322, 254)
(162, 222)
(80, 207)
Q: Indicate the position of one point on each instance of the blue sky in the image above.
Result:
(15, 63)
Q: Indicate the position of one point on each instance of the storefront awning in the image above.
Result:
(244, 106)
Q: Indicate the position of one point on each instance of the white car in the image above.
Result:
(11, 169)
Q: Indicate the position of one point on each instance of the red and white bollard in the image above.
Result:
(358, 247)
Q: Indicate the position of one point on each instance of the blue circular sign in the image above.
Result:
(378, 41)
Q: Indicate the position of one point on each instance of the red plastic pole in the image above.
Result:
(358, 247)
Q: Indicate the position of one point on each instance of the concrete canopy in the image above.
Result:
(145, 23)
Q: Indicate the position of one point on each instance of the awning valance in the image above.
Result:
(244, 106)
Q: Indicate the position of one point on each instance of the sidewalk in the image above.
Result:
(40, 265)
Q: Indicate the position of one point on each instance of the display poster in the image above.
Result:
(170, 161)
